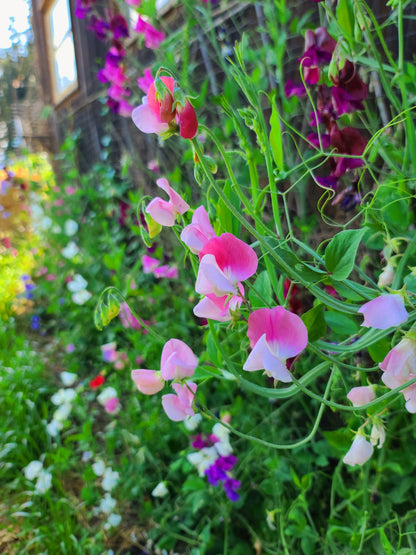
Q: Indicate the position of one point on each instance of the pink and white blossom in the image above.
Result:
(178, 360)
(361, 395)
(199, 232)
(275, 335)
(359, 452)
(164, 212)
(384, 312)
(178, 405)
(399, 367)
(219, 308)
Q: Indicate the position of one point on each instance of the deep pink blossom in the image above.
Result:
(384, 312)
(275, 335)
(361, 395)
(148, 382)
(359, 452)
(152, 37)
(145, 81)
(112, 405)
(349, 90)
(164, 212)
(197, 234)
(319, 46)
(178, 405)
(178, 360)
(149, 264)
(225, 262)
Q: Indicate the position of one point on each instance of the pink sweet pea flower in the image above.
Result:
(178, 360)
(112, 405)
(166, 271)
(145, 81)
(359, 452)
(361, 395)
(399, 367)
(199, 232)
(164, 212)
(148, 382)
(127, 319)
(149, 264)
(384, 312)
(275, 335)
(225, 262)
(178, 405)
(109, 352)
(152, 37)
(146, 120)
(218, 308)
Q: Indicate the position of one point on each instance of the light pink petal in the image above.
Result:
(199, 232)
(112, 405)
(217, 308)
(178, 360)
(401, 359)
(392, 381)
(179, 406)
(211, 280)
(359, 452)
(276, 367)
(361, 395)
(179, 205)
(146, 120)
(255, 358)
(148, 381)
(185, 392)
(234, 257)
(161, 211)
(384, 312)
(286, 334)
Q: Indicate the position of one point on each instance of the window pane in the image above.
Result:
(60, 22)
(65, 66)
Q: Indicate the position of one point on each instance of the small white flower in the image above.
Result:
(81, 297)
(107, 504)
(110, 479)
(160, 490)
(71, 227)
(32, 470)
(387, 276)
(378, 435)
(112, 521)
(68, 378)
(78, 283)
(191, 423)
(61, 414)
(86, 455)
(106, 394)
(98, 468)
(53, 427)
(70, 250)
(44, 482)
(203, 459)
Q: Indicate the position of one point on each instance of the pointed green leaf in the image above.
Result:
(341, 251)
(276, 135)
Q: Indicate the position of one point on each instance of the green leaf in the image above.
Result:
(314, 320)
(379, 350)
(108, 307)
(261, 294)
(341, 323)
(276, 134)
(345, 16)
(341, 251)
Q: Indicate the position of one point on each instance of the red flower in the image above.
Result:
(97, 381)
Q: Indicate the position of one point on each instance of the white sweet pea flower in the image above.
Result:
(62, 412)
(70, 250)
(110, 479)
(203, 459)
(44, 482)
(191, 423)
(98, 467)
(160, 490)
(107, 504)
(70, 227)
(112, 521)
(68, 378)
(81, 297)
(32, 470)
(53, 427)
(377, 435)
(78, 283)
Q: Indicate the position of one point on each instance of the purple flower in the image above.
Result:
(119, 26)
(99, 26)
(230, 487)
(35, 322)
(293, 89)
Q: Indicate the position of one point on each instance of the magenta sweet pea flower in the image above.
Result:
(178, 360)
(199, 232)
(178, 405)
(145, 81)
(225, 262)
(361, 395)
(164, 212)
(359, 452)
(152, 37)
(149, 264)
(275, 335)
(384, 312)
(148, 382)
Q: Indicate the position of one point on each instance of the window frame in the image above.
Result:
(58, 95)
